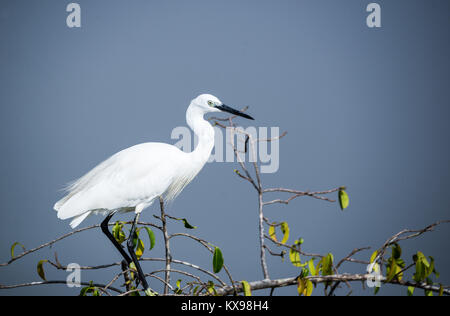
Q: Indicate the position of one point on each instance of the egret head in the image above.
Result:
(209, 103)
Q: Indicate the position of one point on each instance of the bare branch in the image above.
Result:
(205, 244)
(296, 194)
(50, 243)
(167, 246)
(15, 286)
(411, 234)
(269, 284)
(193, 266)
(349, 257)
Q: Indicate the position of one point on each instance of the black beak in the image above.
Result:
(226, 108)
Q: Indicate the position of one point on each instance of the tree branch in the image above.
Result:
(269, 284)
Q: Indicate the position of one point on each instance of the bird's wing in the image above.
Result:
(131, 177)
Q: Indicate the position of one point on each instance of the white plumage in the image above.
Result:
(133, 178)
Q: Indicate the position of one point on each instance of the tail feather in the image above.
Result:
(78, 219)
(60, 203)
(70, 207)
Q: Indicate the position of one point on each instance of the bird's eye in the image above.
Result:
(210, 103)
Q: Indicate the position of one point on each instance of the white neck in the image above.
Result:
(203, 130)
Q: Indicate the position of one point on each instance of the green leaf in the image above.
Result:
(424, 268)
(285, 230)
(40, 269)
(301, 286)
(14, 246)
(395, 267)
(304, 287)
(217, 260)
(391, 270)
(132, 270)
(118, 233)
(420, 271)
(344, 200)
(376, 268)
(398, 273)
(247, 289)
(294, 255)
(89, 289)
(185, 222)
(421, 257)
(304, 273)
(272, 233)
(377, 289)
(151, 236)
(327, 264)
(84, 290)
(374, 256)
(411, 290)
(430, 269)
(211, 288)
(140, 248)
(312, 268)
(178, 288)
(135, 237)
(309, 288)
(396, 251)
(187, 225)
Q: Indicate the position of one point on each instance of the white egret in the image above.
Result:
(132, 179)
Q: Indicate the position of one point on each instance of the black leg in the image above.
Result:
(108, 234)
(134, 258)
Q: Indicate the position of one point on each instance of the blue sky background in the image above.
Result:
(365, 108)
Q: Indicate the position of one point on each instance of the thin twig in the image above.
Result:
(266, 284)
(167, 246)
(193, 266)
(15, 286)
(205, 244)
